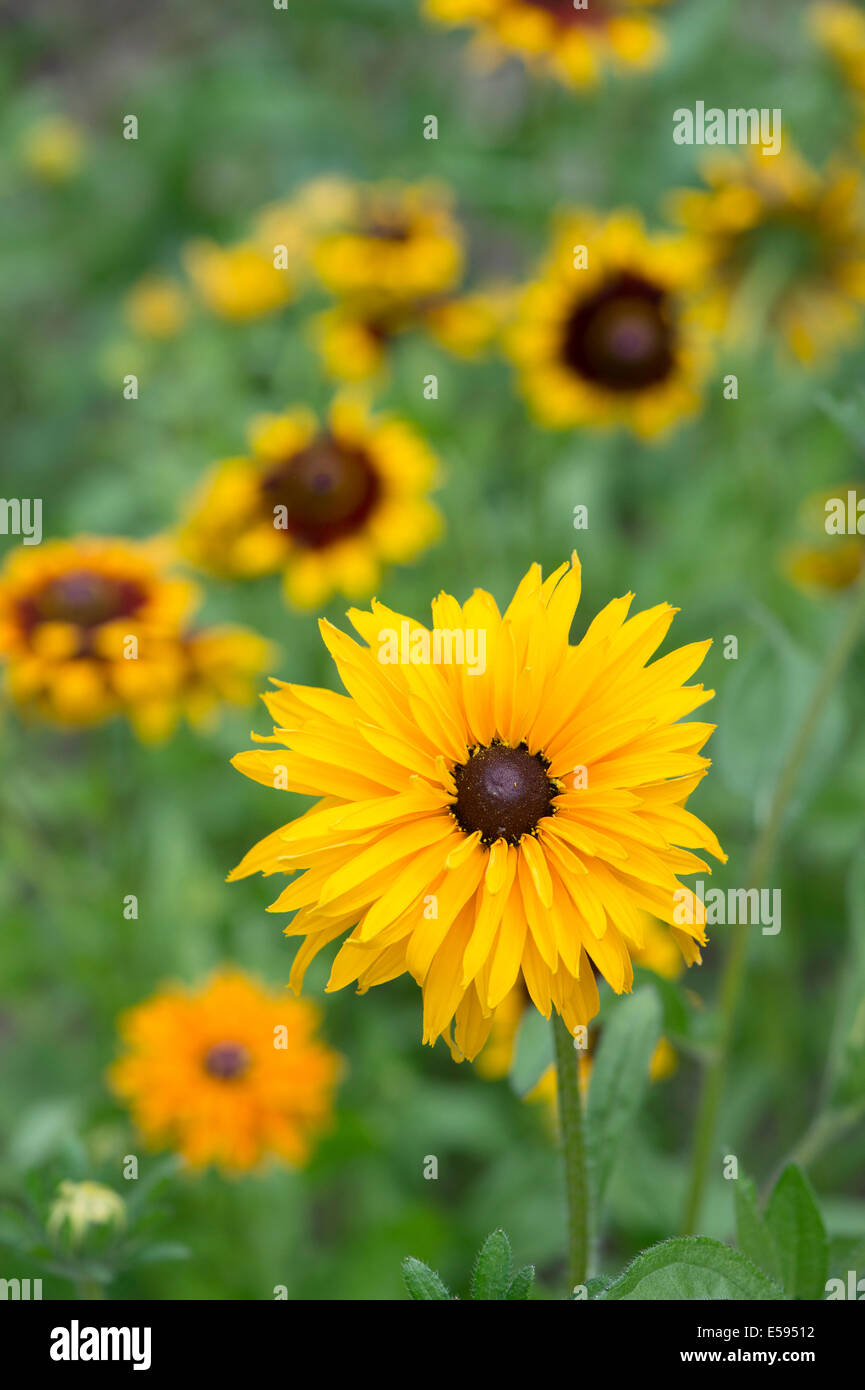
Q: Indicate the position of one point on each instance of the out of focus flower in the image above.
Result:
(156, 307)
(97, 626)
(327, 505)
(821, 560)
(237, 282)
(353, 338)
(53, 149)
(575, 42)
(605, 336)
(229, 1074)
(486, 822)
(298, 222)
(80, 1205)
(397, 242)
(787, 249)
(840, 28)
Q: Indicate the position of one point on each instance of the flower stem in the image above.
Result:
(760, 864)
(574, 1149)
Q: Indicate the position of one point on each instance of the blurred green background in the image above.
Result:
(237, 106)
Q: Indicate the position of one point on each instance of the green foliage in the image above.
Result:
(799, 1235)
(692, 1267)
(491, 1279)
(620, 1078)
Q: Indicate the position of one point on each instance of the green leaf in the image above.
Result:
(492, 1270)
(520, 1286)
(533, 1053)
(794, 1220)
(423, 1283)
(620, 1076)
(847, 1051)
(692, 1267)
(752, 1234)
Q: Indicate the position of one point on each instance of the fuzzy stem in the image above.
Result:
(574, 1150)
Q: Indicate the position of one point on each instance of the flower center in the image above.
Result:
(227, 1061)
(328, 490)
(86, 598)
(503, 792)
(622, 337)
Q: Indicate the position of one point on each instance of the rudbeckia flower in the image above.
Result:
(156, 307)
(786, 247)
(495, 803)
(98, 626)
(820, 560)
(68, 610)
(325, 504)
(238, 282)
(575, 42)
(53, 149)
(397, 242)
(229, 1074)
(604, 335)
(354, 336)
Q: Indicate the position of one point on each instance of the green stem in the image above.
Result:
(760, 864)
(574, 1149)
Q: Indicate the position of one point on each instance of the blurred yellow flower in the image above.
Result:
(822, 561)
(80, 1205)
(156, 307)
(98, 626)
(53, 149)
(786, 247)
(297, 222)
(237, 282)
(353, 336)
(483, 823)
(840, 28)
(229, 1074)
(605, 335)
(397, 242)
(576, 40)
(327, 505)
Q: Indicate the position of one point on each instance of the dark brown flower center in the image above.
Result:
(502, 792)
(86, 598)
(227, 1061)
(621, 337)
(328, 491)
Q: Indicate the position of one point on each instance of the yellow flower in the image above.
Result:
(574, 43)
(604, 336)
(85, 624)
(97, 626)
(229, 1074)
(822, 561)
(786, 247)
(399, 242)
(496, 803)
(840, 28)
(353, 336)
(326, 505)
(156, 307)
(53, 149)
(238, 282)
(297, 222)
(80, 1205)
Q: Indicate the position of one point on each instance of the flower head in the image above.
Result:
(574, 41)
(98, 626)
(53, 149)
(780, 224)
(603, 336)
(237, 282)
(156, 307)
(395, 242)
(229, 1074)
(326, 505)
(484, 821)
(80, 1205)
